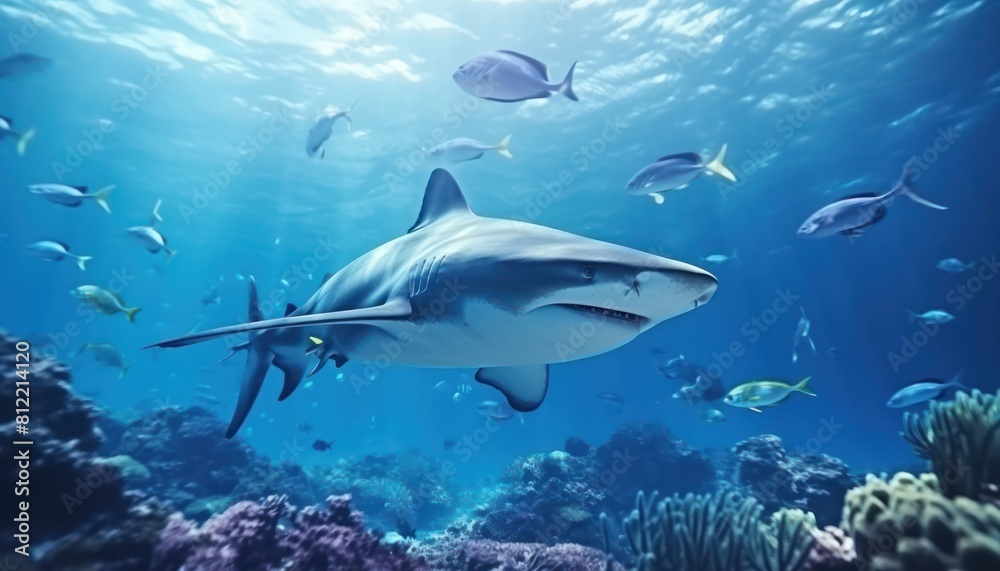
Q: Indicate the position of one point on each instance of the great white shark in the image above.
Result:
(461, 290)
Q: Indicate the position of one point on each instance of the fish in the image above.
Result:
(21, 64)
(757, 394)
(53, 251)
(853, 215)
(498, 414)
(322, 129)
(203, 388)
(438, 385)
(305, 427)
(712, 416)
(104, 301)
(107, 355)
(675, 171)
(211, 296)
(679, 368)
(933, 316)
(323, 445)
(487, 404)
(719, 258)
(509, 77)
(611, 398)
(705, 388)
(450, 443)
(802, 336)
(954, 265)
(466, 149)
(20, 139)
(72, 195)
(210, 399)
(923, 391)
(149, 237)
(502, 295)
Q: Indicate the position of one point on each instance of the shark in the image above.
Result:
(508, 298)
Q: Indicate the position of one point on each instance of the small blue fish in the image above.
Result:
(71, 195)
(21, 64)
(54, 251)
(611, 398)
(7, 132)
(933, 316)
(923, 391)
(508, 76)
(954, 265)
(466, 149)
(149, 237)
(323, 128)
(675, 171)
(719, 258)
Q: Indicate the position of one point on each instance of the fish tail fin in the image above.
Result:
(82, 349)
(956, 381)
(905, 185)
(124, 370)
(720, 169)
(82, 261)
(566, 87)
(22, 141)
(130, 313)
(170, 254)
(502, 147)
(803, 387)
(101, 197)
(156, 213)
(347, 114)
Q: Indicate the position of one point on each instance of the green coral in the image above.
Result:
(908, 524)
(716, 532)
(130, 468)
(961, 438)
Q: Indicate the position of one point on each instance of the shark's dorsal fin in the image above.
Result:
(442, 197)
(524, 386)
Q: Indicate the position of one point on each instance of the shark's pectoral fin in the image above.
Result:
(294, 372)
(396, 309)
(525, 387)
(258, 362)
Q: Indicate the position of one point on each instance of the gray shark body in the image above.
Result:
(460, 290)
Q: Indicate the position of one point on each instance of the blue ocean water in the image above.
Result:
(816, 101)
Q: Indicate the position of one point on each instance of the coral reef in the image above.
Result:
(961, 439)
(484, 555)
(577, 447)
(779, 479)
(272, 534)
(717, 532)
(908, 524)
(409, 487)
(62, 462)
(643, 456)
(187, 461)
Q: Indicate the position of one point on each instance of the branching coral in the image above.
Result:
(907, 524)
(719, 532)
(961, 438)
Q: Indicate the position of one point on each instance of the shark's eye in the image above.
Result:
(588, 272)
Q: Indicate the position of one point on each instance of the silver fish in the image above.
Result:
(923, 391)
(675, 171)
(53, 251)
(21, 139)
(802, 336)
(466, 149)
(508, 76)
(71, 195)
(323, 128)
(104, 301)
(149, 237)
(107, 355)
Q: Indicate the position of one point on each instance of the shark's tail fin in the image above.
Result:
(720, 169)
(502, 147)
(124, 370)
(22, 141)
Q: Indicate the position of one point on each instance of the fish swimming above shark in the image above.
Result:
(461, 290)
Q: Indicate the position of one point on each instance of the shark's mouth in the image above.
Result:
(604, 312)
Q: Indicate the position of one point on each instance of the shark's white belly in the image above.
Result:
(488, 337)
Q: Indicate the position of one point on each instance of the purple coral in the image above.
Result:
(481, 555)
(250, 536)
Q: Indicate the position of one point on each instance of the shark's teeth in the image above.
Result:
(604, 312)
